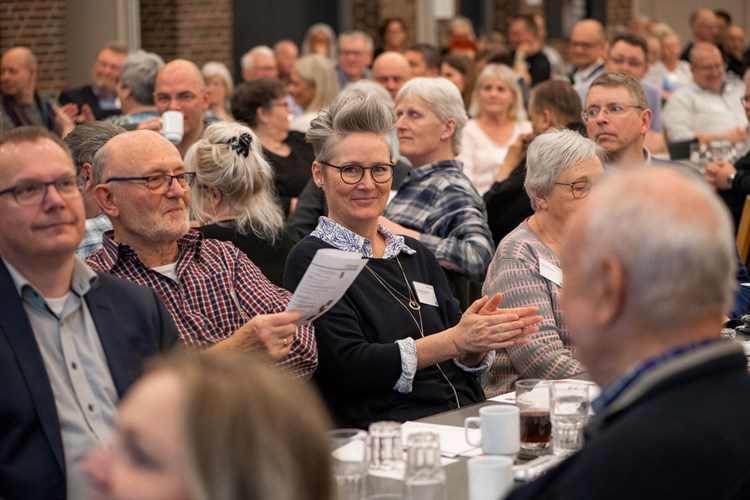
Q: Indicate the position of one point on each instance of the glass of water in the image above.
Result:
(425, 477)
(569, 412)
(349, 449)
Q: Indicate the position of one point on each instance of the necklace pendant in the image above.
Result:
(415, 305)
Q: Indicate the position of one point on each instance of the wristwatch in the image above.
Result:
(730, 179)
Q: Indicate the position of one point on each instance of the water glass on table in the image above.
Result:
(349, 449)
(425, 477)
(386, 457)
(532, 399)
(569, 412)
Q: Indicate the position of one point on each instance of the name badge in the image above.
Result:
(550, 271)
(425, 293)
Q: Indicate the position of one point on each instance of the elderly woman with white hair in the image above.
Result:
(498, 118)
(234, 199)
(313, 85)
(219, 86)
(561, 167)
(396, 346)
(437, 204)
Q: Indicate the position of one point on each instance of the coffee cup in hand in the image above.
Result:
(172, 126)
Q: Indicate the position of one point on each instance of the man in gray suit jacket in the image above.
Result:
(71, 340)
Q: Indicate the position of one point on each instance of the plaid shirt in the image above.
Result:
(441, 203)
(218, 291)
(92, 238)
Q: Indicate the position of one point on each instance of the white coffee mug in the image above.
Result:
(500, 429)
(490, 478)
(172, 126)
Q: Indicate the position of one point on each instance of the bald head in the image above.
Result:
(121, 154)
(707, 66)
(705, 26)
(391, 70)
(588, 43)
(18, 74)
(180, 87)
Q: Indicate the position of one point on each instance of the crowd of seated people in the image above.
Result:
(452, 169)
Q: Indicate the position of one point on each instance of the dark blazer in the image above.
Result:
(682, 434)
(132, 324)
(85, 95)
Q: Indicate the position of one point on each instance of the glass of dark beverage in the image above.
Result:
(532, 399)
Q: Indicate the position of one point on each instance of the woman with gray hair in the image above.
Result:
(437, 204)
(136, 89)
(561, 167)
(219, 86)
(233, 198)
(313, 85)
(396, 346)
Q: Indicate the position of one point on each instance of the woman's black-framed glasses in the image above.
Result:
(352, 174)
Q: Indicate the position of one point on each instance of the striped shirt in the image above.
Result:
(218, 289)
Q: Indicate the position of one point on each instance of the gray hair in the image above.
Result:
(306, 49)
(679, 255)
(248, 60)
(516, 111)
(552, 153)
(374, 88)
(443, 98)
(139, 72)
(356, 112)
(87, 138)
(358, 35)
(215, 68)
(320, 72)
(619, 79)
(246, 183)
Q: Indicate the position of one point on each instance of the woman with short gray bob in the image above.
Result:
(234, 198)
(388, 350)
(136, 89)
(561, 167)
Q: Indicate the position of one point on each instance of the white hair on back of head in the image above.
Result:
(679, 255)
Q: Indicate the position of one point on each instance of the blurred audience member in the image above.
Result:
(261, 105)
(215, 437)
(392, 36)
(259, 62)
(136, 89)
(560, 69)
(704, 24)
(100, 96)
(219, 86)
(286, 53)
(733, 46)
(313, 85)
(678, 71)
(354, 57)
(460, 71)
(528, 58)
(320, 39)
(587, 48)
(391, 71)
(498, 118)
(424, 59)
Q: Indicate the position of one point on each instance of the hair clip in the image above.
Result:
(241, 144)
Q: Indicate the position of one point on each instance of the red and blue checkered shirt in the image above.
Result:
(218, 290)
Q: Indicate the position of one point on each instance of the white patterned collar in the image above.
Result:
(342, 238)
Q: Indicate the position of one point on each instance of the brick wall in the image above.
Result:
(199, 30)
(40, 25)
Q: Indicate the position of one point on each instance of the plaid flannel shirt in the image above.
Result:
(218, 290)
(442, 204)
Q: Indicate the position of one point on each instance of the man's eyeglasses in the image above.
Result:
(610, 109)
(352, 174)
(34, 192)
(578, 189)
(160, 184)
(182, 98)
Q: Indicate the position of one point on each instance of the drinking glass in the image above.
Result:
(425, 477)
(386, 459)
(350, 461)
(532, 399)
(569, 411)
